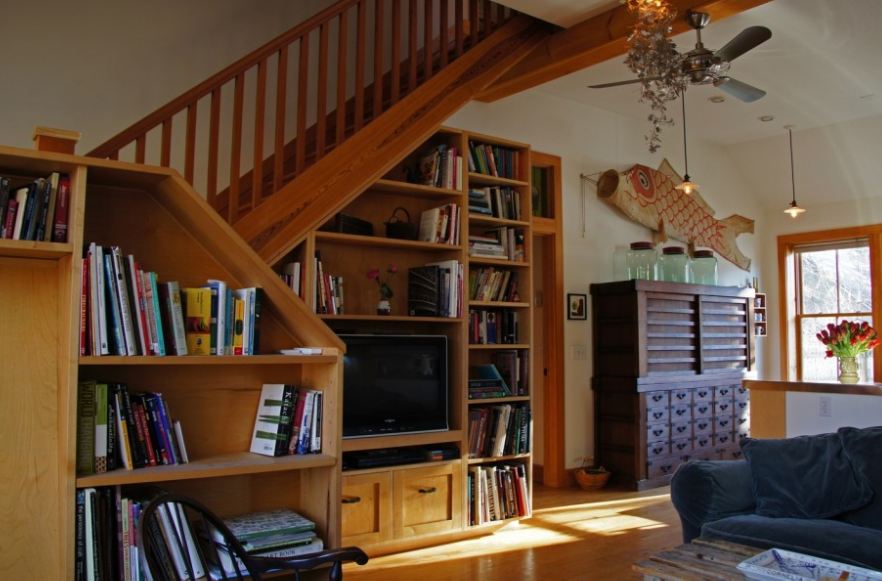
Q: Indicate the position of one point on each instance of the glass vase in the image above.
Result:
(848, 370)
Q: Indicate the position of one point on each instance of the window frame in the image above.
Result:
(789, 290)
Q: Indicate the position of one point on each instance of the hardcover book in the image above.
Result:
(423, 291)
(197, 317)
(272, 423)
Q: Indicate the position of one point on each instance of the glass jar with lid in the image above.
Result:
(641, 261)
(672, 264)
(703, 268)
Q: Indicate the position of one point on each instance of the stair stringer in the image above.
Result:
(281, 222)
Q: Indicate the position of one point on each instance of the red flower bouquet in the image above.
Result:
(848, 339)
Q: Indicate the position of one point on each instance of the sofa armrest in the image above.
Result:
(708, 490)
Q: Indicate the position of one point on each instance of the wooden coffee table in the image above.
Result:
(699, 560)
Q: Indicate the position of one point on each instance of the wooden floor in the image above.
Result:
(572, 535)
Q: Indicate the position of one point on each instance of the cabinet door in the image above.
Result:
(427, 500)
(367, 508)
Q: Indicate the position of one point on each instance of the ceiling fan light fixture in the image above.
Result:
(793, 209)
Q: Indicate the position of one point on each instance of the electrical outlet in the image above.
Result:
(825, 406)
(580, 352)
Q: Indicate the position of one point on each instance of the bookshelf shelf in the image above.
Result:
(336, 237)
(357, 444)
(479, 219)
(488, 180)
(33, 249)
(391, 318)
(207, 360)
(489, 460)
(486, 260)
(495, 400)
(226, 465)
(501, 304)
(407, 188)
(482, 346)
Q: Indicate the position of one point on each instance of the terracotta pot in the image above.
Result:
(591, 479)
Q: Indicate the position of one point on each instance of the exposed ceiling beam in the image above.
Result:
(595, 40)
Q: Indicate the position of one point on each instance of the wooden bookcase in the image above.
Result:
(381, 511)
(153, 214)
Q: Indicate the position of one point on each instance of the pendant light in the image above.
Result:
(793, 209)
(687, 186)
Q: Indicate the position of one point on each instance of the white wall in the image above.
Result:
(98, 66)
(590, 140)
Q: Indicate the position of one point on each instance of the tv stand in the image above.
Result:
(398, 456)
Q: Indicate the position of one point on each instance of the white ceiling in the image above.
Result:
(823, 65)
(561, 12)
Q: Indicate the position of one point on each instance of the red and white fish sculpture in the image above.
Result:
(648, 197)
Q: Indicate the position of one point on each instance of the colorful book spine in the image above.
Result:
(197, 308)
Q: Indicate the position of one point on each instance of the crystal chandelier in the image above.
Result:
(654, 59)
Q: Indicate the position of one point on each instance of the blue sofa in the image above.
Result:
(819, 495)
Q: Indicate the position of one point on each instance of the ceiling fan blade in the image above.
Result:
(739, 90)
(746, 40)
(619, 83)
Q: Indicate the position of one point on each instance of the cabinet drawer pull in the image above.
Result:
(427, 490)
(350, 499)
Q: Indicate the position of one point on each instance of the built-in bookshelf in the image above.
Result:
(153, 214)
(436, 175)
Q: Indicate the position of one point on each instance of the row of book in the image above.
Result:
(441, 167)
(125, 310)
(493, 327)
(117, 429)
(288, 421)
(503, 242)
(108, 544)
(440, 225)
(506, 376)
(37, 211)
(327, 290)
(499, 430)
(494, 160)
(499, 202)
(435, 290)
(492, 284)
(292, 274)
(497, 492)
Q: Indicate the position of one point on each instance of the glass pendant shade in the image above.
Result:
(793, 209)
(687, 186)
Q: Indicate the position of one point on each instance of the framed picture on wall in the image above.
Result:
(577, 306)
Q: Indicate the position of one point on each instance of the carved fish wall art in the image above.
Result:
(648, 197)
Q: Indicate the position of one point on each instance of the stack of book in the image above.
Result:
(513, 366)
(327, 291)
(487, 327)
(499, 202)
(503, 242)
(435, 290)
(485, 382)
(125, 310)
(441, 167)
(36, 211)
(497, 492)
(486, 246)
(440, 225)
(491, 284)
(288, 421)
(118, 429)
(493, 160)
(292, 274)
(277, 533)
(499, 430)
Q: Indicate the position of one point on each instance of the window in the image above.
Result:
(825, 277)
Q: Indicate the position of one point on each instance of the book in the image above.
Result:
(262, 524)
(21, 200)
(86, 412)
(9, 221)
(423, 291)
(114, 318)
(197, 314)
(101, 418)
(272, 423)
(126, 306)
(62, 209)
(218, 316)
(4, 202)
(173, 319)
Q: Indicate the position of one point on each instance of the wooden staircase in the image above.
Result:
(305, 123)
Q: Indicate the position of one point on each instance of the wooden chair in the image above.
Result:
(207, 543)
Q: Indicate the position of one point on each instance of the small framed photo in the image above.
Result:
(577, 306)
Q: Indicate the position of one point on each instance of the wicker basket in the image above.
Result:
(591, 478)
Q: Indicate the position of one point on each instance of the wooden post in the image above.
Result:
(55, 140)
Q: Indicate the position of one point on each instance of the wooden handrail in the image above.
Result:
(218, 79)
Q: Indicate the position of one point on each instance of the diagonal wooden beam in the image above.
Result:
(595, 40)
(282, 221)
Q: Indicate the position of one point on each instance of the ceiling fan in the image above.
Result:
(702, 66)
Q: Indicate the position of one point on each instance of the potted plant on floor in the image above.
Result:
(592, 477)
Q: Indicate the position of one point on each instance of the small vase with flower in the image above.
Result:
(846, 341)
(384, 306)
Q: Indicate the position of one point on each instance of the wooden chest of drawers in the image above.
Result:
(669, 362)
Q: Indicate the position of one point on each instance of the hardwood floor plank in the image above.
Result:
(573, 534)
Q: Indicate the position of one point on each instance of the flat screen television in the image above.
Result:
(394, 384)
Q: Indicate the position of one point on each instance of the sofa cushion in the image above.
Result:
(829, 539)
(804, 477)
(704, 491)
(864, 449)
